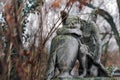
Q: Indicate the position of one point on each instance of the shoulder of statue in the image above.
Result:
(94, 26)
(67, 30)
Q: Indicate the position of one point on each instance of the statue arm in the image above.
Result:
(97, 40)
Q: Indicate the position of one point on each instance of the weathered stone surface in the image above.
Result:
(76, 40)
(94, 78)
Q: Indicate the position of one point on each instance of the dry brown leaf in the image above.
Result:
(82, 2)
(56, 3)
(25, 69)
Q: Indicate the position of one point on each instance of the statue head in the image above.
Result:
(71, 21)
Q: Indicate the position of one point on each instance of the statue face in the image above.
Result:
(73, 22)
(86, 30)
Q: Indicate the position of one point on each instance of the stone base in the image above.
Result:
(94, 78)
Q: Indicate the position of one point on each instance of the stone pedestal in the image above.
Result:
(94, 78)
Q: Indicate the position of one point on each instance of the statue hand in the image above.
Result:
(84, 48)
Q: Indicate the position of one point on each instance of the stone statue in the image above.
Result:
(70, 44)
(91, 38)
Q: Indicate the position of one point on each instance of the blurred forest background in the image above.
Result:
(27, 27)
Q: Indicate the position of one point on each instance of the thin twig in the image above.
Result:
(55, 27)
(52, 29)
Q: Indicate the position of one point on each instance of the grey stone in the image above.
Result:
(77, 40)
